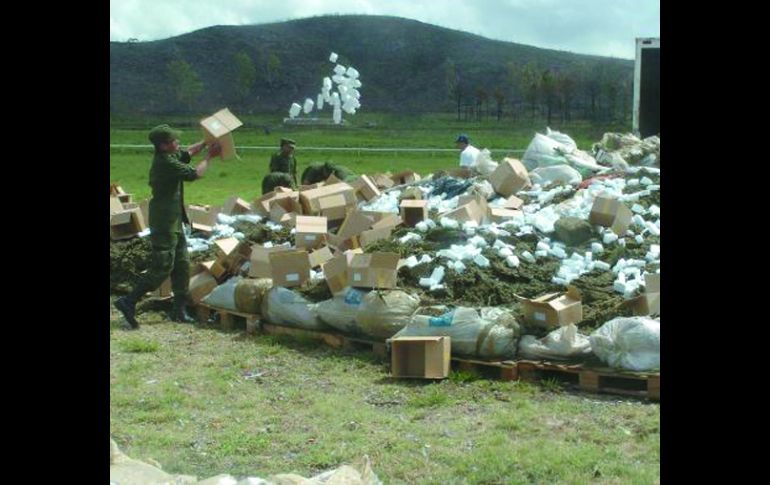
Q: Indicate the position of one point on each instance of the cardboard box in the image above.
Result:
(355, 223)
(340, 244)
(310, 198)
(382, 181)
(259, 266)
(218, 270)
(336, 270)
(509, 177)
(283, 211)
(201, 284)
(335, 207)
(374, 270)
(610, 212)
(405, 177)
(289, 268)
(498, 215)
(365, 187)
(218, 128)
(649, 302)
(332, 179)
(311, 186)
(468, 212)
(235, 206)
(126, 224)
(310, 232)
(368, 237)
(320, 256)
(116, 205)
(413, 211)
(261, 205)
(460, 173)
(116, 190)
(202, 218)
(231, 254)
(144, 207)
(514, 203)
(391, 221)
(553, 309)
(420, 357)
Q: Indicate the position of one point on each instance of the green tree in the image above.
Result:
(272, 69)
(499, 95)
(530, 85)
(548, 86)
(481, 97)
(565, 86)
(245, 75)
(452, 83)
(512, 80)
(184, 83)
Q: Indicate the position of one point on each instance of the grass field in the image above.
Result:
(130, 166)
(202, 401)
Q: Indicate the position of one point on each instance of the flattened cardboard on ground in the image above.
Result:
(355, 223)
(382, 181)
(372, 235)
(310, 232)
(405, 177)
(260, 260)
(553, 309)
(513, 202)
(374, 270)
(235, 206)
(289, 268)
(610, 212)
(413, 211)
(201, 284)
(336, 270)
(365, 187)
(420, 357)
(509, 177)
(310, 198)
(649, 302)
(126, 224)
(471, 211)
(320, 256)
(499, 214)
(218, 128)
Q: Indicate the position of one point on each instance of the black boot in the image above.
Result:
(127, 307)
(179, 312)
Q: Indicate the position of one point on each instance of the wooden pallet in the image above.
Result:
(506, 370)
(594, 379)
(226, 317)
(335, 340)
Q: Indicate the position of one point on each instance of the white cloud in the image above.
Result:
(600, 27)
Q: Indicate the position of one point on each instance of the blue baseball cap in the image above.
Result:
(462, 138)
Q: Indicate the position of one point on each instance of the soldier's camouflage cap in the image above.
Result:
(288, 141)
(163, 133)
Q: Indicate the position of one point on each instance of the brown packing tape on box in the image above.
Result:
(413, 211)
(289, 268)
(509, 177)
(218, 128)
(553, 309)
(420, 357)
(374, 270)
(310, 231)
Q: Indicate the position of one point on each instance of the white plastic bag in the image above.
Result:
(383, 313)
(283, 306)
(484, 163)
(340, 312)
(563, 343)
(556, 173)
(542, 152)
(223, 296)
(562, 138)
(631, 343)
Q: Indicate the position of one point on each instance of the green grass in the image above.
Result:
(130, 166)
(190, 406)
(139, 345)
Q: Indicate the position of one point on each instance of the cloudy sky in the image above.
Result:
(600, 27)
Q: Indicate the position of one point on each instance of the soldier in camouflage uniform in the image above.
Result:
(170, 168)
(283, 168)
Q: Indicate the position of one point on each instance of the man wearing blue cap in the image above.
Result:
(468, 152)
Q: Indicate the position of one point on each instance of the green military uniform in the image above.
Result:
(283, 170)
(169, 245)
(320, 171)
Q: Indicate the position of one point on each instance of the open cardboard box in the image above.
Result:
(610, 212)
(413, 211)
(336, 270)
(126, 224)
(355, 223)
(310, 232)
(421, 357)
(405, 177)
(218, 128)
(365, 188)
(382, 181)
(236, 206)
(320, 256)
(649, 302)
(260, 266)
(553, 309)
(309, 199)
(261, 205)
(470, 211)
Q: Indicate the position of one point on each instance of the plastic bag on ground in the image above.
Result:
(563, 343)
(484, 163)
(488, 333)
(542, 152)
(223, 296)
(563, 139)
(556, 173)
(383, 313)
(282, 306)
(631, 343)
(340, 312)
